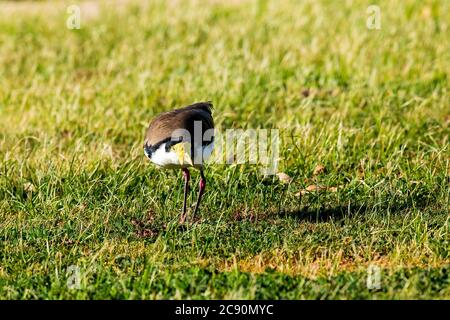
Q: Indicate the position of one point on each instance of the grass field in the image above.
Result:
(371, 106)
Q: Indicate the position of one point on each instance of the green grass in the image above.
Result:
(372, 106)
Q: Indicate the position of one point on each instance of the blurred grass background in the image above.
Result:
(371, 106)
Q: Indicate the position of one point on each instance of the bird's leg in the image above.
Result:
(202, 186)
(186, 177)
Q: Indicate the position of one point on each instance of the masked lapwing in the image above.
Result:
(182, 139)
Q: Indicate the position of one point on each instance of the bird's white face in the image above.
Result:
(178, 156)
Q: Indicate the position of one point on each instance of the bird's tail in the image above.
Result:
(207, 106)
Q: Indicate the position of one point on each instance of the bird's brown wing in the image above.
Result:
(163, 126)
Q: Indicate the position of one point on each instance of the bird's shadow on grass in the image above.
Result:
(321, 214)
(150, 229)
(337, 213)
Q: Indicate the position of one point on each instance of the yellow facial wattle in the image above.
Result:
(182, 151)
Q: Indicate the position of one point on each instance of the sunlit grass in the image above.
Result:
(372, 106)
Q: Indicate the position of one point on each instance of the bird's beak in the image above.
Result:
(183, 153)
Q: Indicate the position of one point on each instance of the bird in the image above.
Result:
(182, 139)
